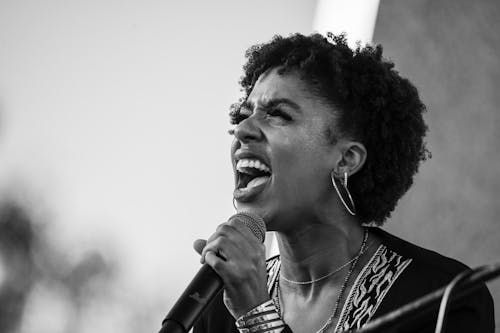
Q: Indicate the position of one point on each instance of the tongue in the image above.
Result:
(257, 181)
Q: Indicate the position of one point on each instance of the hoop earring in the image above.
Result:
(353, 210)
(234, 204)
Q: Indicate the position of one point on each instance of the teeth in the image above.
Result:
(246, 163)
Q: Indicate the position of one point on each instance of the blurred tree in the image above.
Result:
(16, 248)
(29, 260)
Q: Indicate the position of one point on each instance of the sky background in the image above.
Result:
(113, 134)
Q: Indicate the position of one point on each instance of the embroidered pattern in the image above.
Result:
(370, 288)
(367, 292)
(273, 266)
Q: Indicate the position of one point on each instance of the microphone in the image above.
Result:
(205, 285)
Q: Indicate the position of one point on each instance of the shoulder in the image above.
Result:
(427, 272)
(434, 265)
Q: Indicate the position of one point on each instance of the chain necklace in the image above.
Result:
(354, 261)
(338, 269)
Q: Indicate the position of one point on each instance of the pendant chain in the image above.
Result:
(354, 261)
(338, 269)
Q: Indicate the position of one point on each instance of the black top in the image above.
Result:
(402, 273)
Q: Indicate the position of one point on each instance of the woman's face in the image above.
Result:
(281, 155)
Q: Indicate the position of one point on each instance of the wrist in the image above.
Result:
(262, 318)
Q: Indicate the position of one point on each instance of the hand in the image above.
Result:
(238, 257)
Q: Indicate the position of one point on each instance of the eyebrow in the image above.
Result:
(249, 105)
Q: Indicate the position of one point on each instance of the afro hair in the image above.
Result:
(373, 104)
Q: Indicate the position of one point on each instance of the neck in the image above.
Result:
(316, 249)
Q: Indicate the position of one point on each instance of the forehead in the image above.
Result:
(272, 85)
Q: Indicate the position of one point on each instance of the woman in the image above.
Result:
(326, 141)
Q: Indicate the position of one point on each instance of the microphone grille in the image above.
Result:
(252, 221)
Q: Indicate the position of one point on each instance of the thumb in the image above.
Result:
(199, 245)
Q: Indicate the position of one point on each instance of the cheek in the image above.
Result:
(300, 166)
(234, 145)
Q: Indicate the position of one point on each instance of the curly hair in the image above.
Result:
(373, 105)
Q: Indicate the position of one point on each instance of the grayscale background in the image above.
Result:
(114, 152)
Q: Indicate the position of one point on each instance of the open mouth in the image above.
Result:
(251, 173)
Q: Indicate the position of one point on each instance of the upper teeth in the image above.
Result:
(247, 163)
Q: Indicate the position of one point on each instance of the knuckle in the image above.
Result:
(233, 222)
(214, 245)
(218, 237)
(219, 242)
(224, 229)
(238, 225)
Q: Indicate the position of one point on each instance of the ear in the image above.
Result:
(352, 158)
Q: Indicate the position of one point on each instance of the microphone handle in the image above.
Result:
(189, 307)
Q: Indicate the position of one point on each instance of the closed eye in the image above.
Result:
(275, 112)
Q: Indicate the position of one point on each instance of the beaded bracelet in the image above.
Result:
(262, 318)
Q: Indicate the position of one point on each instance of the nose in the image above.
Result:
(247, 130)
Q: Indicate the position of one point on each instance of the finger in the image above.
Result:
(217, 233)
(243, 239)
(215, 262)
(223, 233)
(232, 230)
(221, 246)
(199, 244)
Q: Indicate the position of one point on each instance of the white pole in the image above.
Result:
(356, 18)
